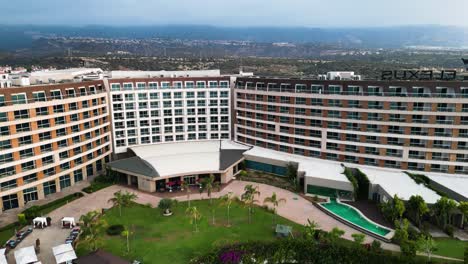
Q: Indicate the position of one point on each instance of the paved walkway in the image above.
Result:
(296, 209)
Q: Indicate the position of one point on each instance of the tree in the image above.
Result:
(417, 207)
(463, 207)
(243, 174)
(399, 207)
(248, 197)
(227, 200)
(87, 218)
(194, 216)
(427, 245)
(126, 234)
(335, 234)
(273, 199)
(186, 187)
(291, 173)
(311, 229)
(122, 199)
(92, 232)
(442, 211)
(209, 184)
(401, 231)
(358, 238)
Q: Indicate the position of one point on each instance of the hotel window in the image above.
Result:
(115, 87)
(3, 117)
(18, 98)
(316, 101)
(128, 86)
(317, 89)
(224, 84)
(189, 85)
(64, 181)
(8, 185)
(25, 140)
(374, 91)
(70, 92)
(200, 84)
(223, 94)
(153, 85)
(21, 114)
(30, 178)
(165, 85)
(142, 96)
(39, 96)
(334, 89)
(141, 86)
(48, 160)
(5, 144)
(201, 103)
(27, 166)
(177, 85)
(10, 201)
(26, 153)
(49, 188)
(55, 94)
(212, 84)
(2, 100)
(129, 97)
(6, 158)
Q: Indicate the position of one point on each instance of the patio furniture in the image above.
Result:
(283, 230)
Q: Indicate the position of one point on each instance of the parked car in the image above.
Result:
(11, 244)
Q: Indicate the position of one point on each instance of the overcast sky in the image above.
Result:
(307, 13)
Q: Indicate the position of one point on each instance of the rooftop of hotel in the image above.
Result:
(181, 158)
(398, 183)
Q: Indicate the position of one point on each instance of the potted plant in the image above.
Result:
(165, 205)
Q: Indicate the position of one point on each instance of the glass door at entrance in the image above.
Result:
(190, 180)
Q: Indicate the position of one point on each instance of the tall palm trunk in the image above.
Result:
(228, 217)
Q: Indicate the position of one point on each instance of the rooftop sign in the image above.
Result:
(444, 75)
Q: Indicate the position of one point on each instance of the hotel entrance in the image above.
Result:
(190, 180)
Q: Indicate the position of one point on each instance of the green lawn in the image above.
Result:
(450, 247)
(159, 239)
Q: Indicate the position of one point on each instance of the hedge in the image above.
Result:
(299, 251)
(35, 210)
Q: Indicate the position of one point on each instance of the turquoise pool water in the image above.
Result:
(354, 217)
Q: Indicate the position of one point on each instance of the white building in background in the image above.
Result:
(72, 74)
(155, 74)
(5, 81)
(155, 110)
(340, 75)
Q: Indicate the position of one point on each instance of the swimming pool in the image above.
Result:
(352, 215)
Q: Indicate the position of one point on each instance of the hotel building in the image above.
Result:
(51, 136)
(407, 125)
(158, 110)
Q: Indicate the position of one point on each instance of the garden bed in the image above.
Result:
(270, 179)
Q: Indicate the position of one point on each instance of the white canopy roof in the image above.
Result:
(64, 253)
(70, 220)
(41, 220)
(399, 183)
(25, 255)
(310, 166)
(456, 183)
(2, 256)
(179, 158)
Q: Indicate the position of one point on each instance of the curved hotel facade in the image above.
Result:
(51, 136)
(408, 125)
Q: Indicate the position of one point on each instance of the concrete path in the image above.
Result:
(296, 209)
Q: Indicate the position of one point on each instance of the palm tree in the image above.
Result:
(186, 187)
(125, 233)
(122, 199)
(311, 228)
(275, 202)
(129, 198)
(87, 218)
(92, 233)
(248, 197)
(194, 215)
(209, 184)
(118, 200)
(226, 200)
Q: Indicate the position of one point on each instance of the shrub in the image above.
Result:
(22, 219)
(413, 234)
(449, 230)
(376, 246)
(165, 204)
(115, 230)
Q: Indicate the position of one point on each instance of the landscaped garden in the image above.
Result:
(155, 238)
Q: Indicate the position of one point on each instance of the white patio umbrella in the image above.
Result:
(25, 255)
(2, 256)
(64, 253)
